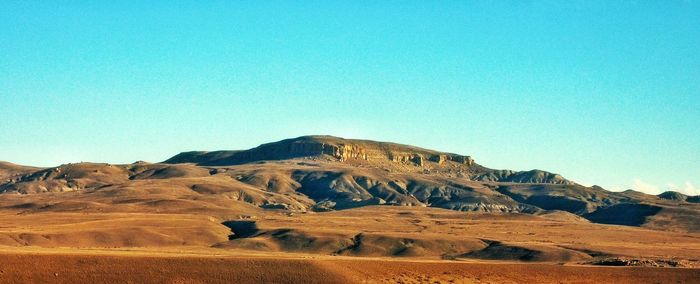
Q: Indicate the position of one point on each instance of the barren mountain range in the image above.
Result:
(323, 173)
(327, 196)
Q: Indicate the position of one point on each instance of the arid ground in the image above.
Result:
(397, 244)
(175, 267)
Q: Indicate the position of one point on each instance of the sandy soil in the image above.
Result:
(113, 268)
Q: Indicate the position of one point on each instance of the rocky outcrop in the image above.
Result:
(463, 160)
(679, 197)
(439, 159)
(673, 195)
(533, 176)
(10, 172)
(626, 261)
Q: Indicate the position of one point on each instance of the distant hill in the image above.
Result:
(677, 196)
(9, 171)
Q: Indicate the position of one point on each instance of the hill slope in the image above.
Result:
(10, 171)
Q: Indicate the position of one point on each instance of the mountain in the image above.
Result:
(365, 153)
(371, 152)
(325, 173)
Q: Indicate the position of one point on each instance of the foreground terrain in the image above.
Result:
(375, 244)
(97, 267)
(326, 209)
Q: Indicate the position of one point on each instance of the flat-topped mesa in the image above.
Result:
(391, 156)
(315, 146)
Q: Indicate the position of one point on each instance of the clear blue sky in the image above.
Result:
(603, 92)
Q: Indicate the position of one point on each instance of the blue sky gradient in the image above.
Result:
(603, 92)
